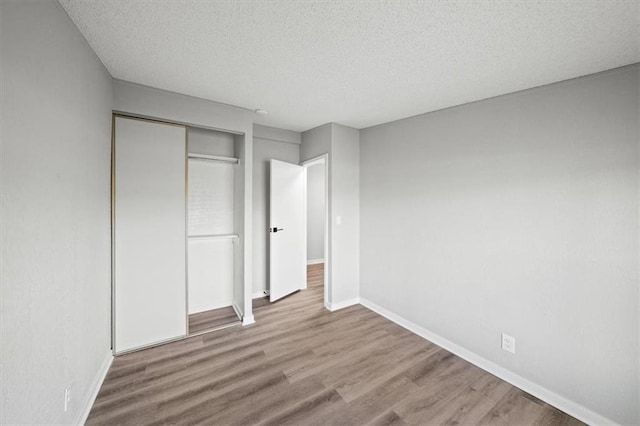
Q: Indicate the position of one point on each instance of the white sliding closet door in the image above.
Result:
(149, 233)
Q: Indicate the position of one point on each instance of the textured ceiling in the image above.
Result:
(357, 63)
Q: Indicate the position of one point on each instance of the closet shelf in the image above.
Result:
(212, 236)
(213, 158)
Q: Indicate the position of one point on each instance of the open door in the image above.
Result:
(287, 243)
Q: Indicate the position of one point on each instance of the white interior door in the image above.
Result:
(149, 233)
(287, 232)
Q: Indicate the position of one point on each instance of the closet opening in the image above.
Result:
(178, 232)
(211, 235)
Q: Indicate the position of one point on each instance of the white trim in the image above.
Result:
(213, 236)
(248, 320)
(93, 390)
(570, 407)
(209, 306)
(237, 309)
(194, 156)
(328, 229)
(315, 261)
(260, 294)
(341, 305)
(305, 233)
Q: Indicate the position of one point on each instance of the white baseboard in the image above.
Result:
(248, 320)
(209, 306)
(315, 261)
(237, 309)
(341, 305)
(260, 294)
(94, 388)
(568, 406)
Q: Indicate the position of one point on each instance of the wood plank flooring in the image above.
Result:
(214, 318)
(315, 275)
(303, 365)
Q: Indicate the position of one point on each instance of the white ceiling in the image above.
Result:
(357, 63)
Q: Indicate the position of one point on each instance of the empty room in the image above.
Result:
(255, 212)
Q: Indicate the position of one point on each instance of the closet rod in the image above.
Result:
(213, 236)
(213, 158)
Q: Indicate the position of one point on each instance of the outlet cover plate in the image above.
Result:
(508, 343)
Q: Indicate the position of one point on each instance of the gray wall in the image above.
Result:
(315, 212)
(211, 142)
(56, 261)
(145, 101)
(316, 142)
(345, 195)
(269, 143)
(517, 214)
(342, 144)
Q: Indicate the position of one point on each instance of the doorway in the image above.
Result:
(299, 250)
(317, 224)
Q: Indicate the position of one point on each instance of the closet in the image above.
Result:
(175, 236)
(210, 231)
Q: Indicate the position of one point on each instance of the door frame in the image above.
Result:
(321, 159)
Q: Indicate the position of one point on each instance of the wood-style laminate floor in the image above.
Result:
(214, 318)
(303, 365)
(315, 275)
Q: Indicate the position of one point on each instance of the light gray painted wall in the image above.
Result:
(211, 142)
(316, 142)
(315, 212)
(345, 190)
(517, 214)
(150, 102)
(263, 151)
(56, 256)
(276, 134)
(342, 146)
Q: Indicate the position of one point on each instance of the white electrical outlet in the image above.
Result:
(67, 398)
(509, 343)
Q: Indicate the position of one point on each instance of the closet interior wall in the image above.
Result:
(211, 238)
